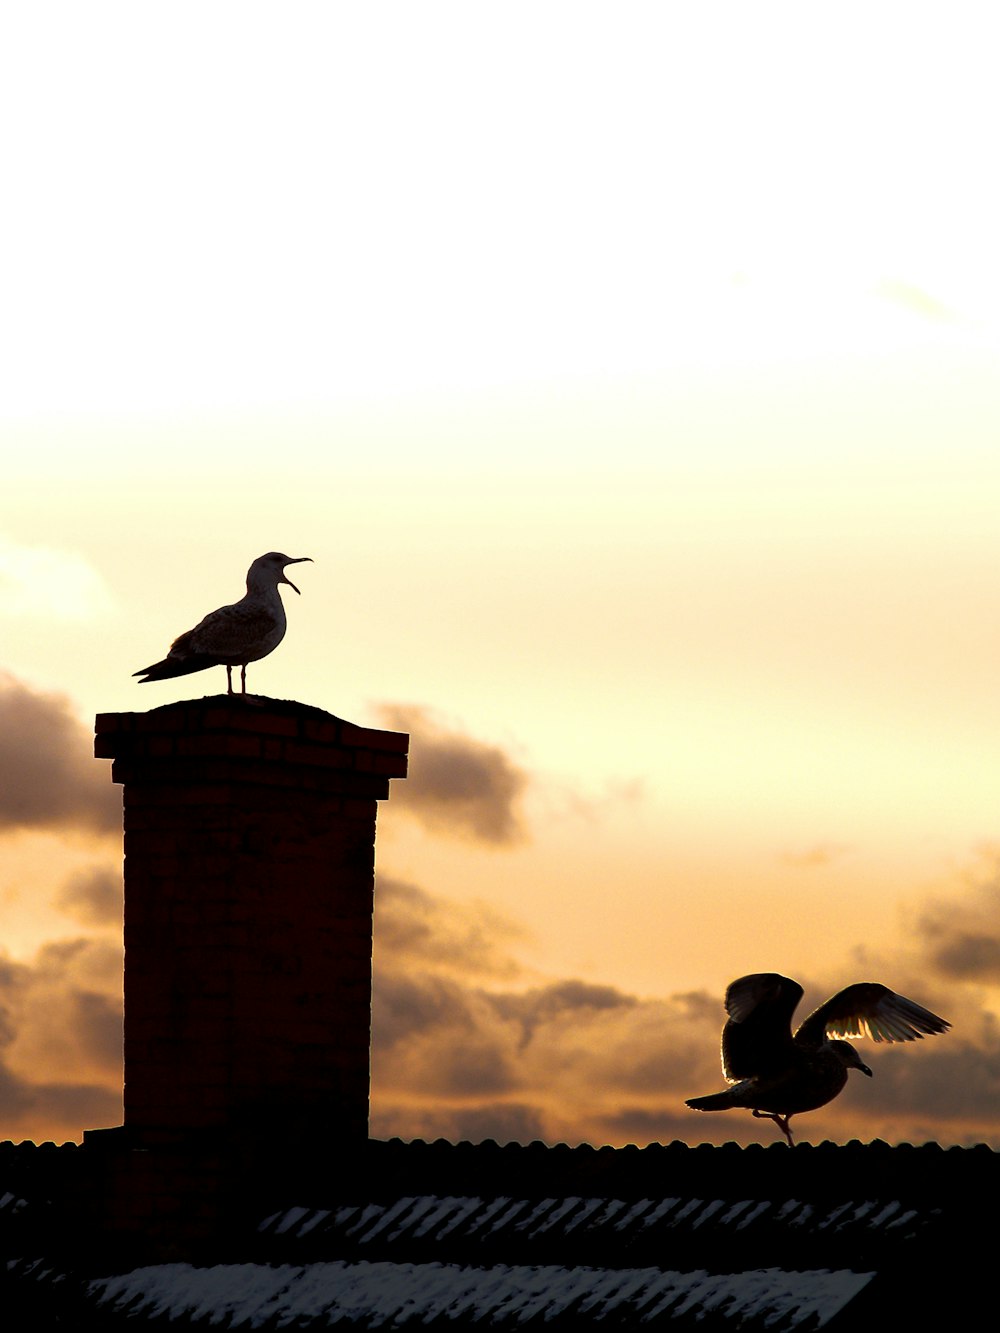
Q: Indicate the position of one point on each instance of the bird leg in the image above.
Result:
(780, 1120)
(243, 678)
(229, 679)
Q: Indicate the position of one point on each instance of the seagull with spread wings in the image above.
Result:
(233, 635)
(777, 1075)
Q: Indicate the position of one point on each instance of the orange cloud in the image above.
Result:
(61, 1040)
(93, 897)
(466, 1042)
(455, 1055)
(411, 928)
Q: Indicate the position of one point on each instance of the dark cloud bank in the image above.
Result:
(60, 1015)
(466, 1045)
(48, 777)
(459, 1056)
(463, 1048)
(457, 785)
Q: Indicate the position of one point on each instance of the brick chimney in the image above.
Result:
(249, 874)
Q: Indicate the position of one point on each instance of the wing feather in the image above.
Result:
(758, 1036)
(870, 1009)
(229, 631)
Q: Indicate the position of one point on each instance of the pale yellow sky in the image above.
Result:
(630, 376)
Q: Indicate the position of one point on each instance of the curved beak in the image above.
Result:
(297, 561)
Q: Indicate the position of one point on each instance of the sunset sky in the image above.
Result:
(629, 372)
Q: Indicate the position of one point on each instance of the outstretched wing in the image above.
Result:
(869, 1009)
(758, 1037)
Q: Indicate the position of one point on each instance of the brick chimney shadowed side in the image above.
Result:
(249, 876)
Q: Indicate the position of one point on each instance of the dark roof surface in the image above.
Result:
(462, 1235)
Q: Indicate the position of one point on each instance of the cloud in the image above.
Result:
(470, 1044)
(61, 1040)
(36, 581)
(969, 954)
(960, 934)
(457, 785)
(461, 1051)
(436, 1037)
(412, 926)
(81, 981)
(505, 1122)
(93, 897)
(50, 778)
(550, 1005)
(617, 794)
(569, 1053)
(953, 1079)
(816, 855)
(469, 1053)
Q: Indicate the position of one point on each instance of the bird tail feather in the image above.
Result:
(166, 669)
(715, 1101)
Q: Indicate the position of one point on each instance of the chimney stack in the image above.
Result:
(249, 876)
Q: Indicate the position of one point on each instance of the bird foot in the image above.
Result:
(780, 1120)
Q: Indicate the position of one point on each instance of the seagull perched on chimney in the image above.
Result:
(776, 1075)
(234, 635)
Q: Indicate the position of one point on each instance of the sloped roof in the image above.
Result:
(463, 1235)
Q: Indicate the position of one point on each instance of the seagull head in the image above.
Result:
(848, 1056)
(270, 568)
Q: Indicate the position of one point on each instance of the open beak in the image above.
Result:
(297, 561)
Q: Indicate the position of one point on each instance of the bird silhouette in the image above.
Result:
(776, 1075)
(233, 635)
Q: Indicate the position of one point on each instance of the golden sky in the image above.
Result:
(630, 375)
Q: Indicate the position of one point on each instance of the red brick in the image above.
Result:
(324, 731)
(317, 755)
(248, 912)
(242, 747)
(372, 739)
(373, 761)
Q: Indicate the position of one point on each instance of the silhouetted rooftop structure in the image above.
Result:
(478, 1235)
(242, 1190)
